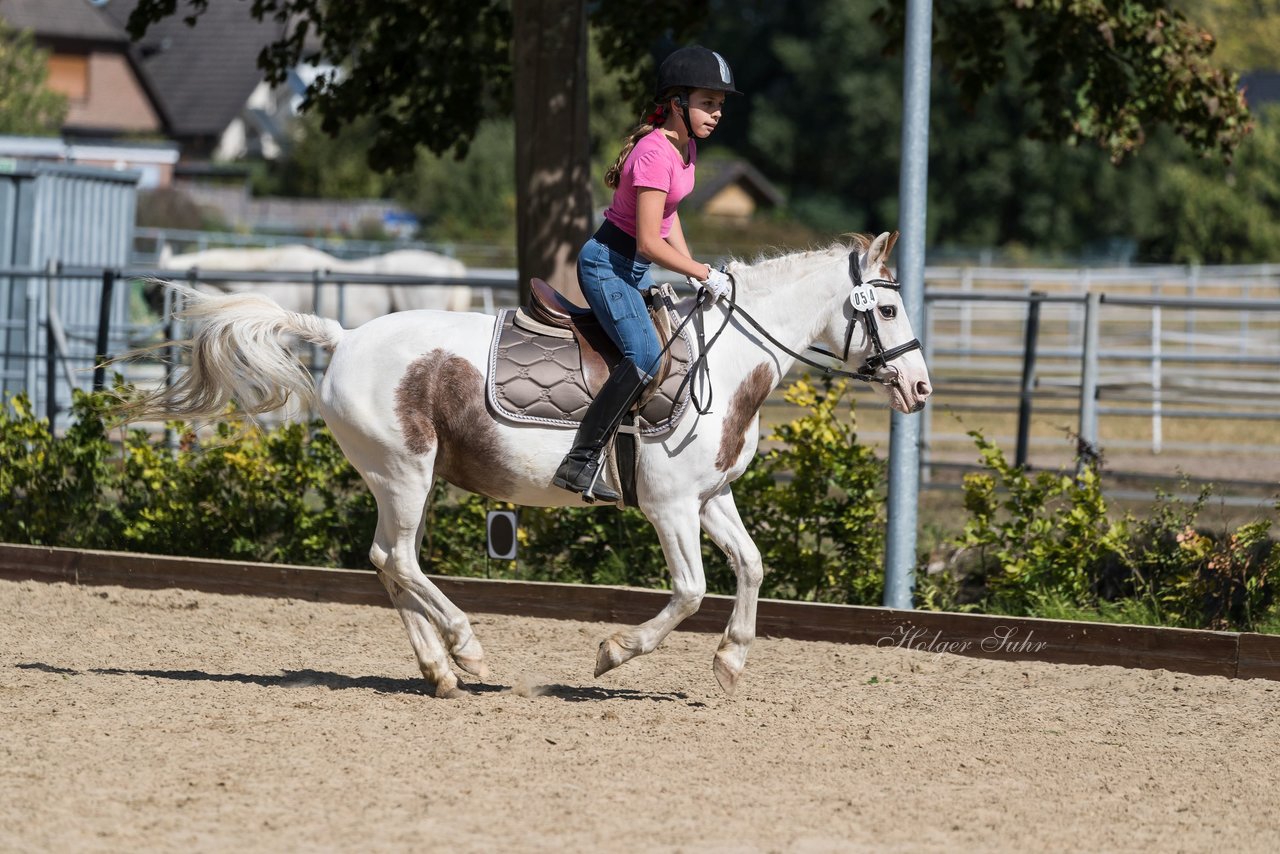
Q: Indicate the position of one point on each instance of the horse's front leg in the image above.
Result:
(677, 527)
(724, 526)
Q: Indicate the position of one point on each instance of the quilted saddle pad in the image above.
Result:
(536, 376)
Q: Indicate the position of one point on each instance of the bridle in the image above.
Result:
(866, 372)
(879, 358)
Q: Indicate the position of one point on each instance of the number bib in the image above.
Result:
(863, 297)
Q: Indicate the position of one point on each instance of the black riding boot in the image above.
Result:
(581, 466)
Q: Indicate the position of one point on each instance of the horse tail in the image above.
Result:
(240, 353)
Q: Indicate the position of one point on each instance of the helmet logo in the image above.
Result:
(726, 76)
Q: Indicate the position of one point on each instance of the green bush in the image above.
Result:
(56, 492)
(284, 495)
(1038, 537)
(1047, 545)
(1190, 577)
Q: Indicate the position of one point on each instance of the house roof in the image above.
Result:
(202, 75)
(715, 175)
(74, 20)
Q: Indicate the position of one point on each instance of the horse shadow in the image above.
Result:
(308, 678)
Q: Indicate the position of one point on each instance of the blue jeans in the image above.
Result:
(612, 283)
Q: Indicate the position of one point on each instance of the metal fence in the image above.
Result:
(1119, 356)
(1171, 371)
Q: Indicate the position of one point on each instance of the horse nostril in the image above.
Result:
(923, 389)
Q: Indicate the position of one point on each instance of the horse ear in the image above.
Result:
(888, 250)
(878, 251)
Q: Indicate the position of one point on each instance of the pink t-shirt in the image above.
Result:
(654, 163)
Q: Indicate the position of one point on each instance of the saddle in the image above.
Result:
(547, 362)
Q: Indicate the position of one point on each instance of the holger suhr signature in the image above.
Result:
(1002, 639)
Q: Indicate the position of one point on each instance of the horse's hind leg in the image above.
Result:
(427, 646)
(724, 526)
(402, 494)
(448, 619)
(677, 529)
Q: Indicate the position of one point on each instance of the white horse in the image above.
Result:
(360, 303)
(405, 397)
(414, 262)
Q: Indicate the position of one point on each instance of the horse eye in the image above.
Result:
(888, 312)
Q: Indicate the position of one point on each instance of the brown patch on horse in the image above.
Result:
(743, 408)
(440, 404)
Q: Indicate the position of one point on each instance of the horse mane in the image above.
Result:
(860, 242)
(771, 265)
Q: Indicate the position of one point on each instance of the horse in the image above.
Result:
(404, 396)
(414, 262)
(360, 303)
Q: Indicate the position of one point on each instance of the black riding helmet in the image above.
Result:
(694, 67)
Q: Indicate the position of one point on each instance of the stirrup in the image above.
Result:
(594, 490)
(589, 494)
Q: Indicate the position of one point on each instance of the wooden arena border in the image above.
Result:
(1239, 655)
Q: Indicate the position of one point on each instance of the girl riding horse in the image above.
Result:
(654, 171)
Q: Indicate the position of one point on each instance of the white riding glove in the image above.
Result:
(718, 283)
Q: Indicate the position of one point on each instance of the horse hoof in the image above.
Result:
(726, 674)
(476, 668)
(609, 656)
(470, 658)
(449, 689)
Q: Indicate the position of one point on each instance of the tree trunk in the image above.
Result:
(553, 158)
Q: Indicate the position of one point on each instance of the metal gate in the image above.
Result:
(55, 216)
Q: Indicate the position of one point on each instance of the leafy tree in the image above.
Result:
(322, 165)
(27, 106)
(1214, 213)
(825, 124)
(1106, 71)
(1246, 33)
(470, 199)
(995, 184)
(430, 72)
